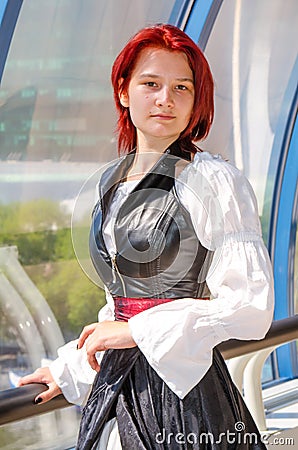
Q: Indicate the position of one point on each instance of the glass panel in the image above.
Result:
(296, 277)
(252, 68)
(57, 126)
(267, 373)
(296, 295)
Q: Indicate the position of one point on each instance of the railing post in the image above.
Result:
(252, 386)
(236, 368)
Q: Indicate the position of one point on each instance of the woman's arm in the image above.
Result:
(177, 338)
(98, 337)
(71, 372)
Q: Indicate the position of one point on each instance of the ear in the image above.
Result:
(123, 97)
(122, 94)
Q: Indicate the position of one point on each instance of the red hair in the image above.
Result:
(170, 38)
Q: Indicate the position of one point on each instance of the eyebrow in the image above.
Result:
(152, 75)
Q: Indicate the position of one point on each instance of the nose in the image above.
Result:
(164, 97)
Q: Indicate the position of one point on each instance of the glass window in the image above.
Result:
(252, 67)
(296, 277)
(296, 294)
(252, 57)
(57, 125)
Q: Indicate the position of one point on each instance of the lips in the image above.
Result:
(163, 116)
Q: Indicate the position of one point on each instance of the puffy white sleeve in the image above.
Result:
(71, 370)
(177, 338)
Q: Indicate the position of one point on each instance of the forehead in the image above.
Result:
(159, 61)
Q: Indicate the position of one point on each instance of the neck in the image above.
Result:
(153, 144)
(148, 153)
(142, 164)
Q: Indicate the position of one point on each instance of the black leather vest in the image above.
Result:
(158, 253)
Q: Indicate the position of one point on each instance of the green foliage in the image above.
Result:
(39, 229)
(74, 299)
(32, 216)
(6, 436)
(41, 232)
(84, 301)
(40, 246)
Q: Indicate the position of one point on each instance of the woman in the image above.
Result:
(172, 227)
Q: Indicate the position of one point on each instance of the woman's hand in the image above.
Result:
(42, 375)
(102, 336)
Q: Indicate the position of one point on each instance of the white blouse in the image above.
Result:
(177, 338)
(108, 228)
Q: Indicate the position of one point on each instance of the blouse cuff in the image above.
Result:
(174, 344)
(72, 372)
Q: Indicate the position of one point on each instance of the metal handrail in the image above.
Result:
(18, 403)
(280, 332)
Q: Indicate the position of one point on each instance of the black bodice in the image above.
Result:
(158, 253)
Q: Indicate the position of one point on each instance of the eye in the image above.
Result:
(181, 87)
(150, 83)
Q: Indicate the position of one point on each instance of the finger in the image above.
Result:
(93, 362)
(85, 333)
(47, 395)
(31, 378)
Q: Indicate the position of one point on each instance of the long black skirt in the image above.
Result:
(212, 416)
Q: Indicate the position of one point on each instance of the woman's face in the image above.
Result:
(160, 97)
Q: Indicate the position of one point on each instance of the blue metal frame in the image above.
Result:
(285, 244)
(278, 159)
(281, 183)
(180, 11)
(3, 4)
(282, 243)
(10, 13)
(201, 20)
(281, 187)
(293, 250)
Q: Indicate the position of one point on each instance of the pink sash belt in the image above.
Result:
(126, 307)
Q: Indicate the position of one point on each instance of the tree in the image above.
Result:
(41, 232)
